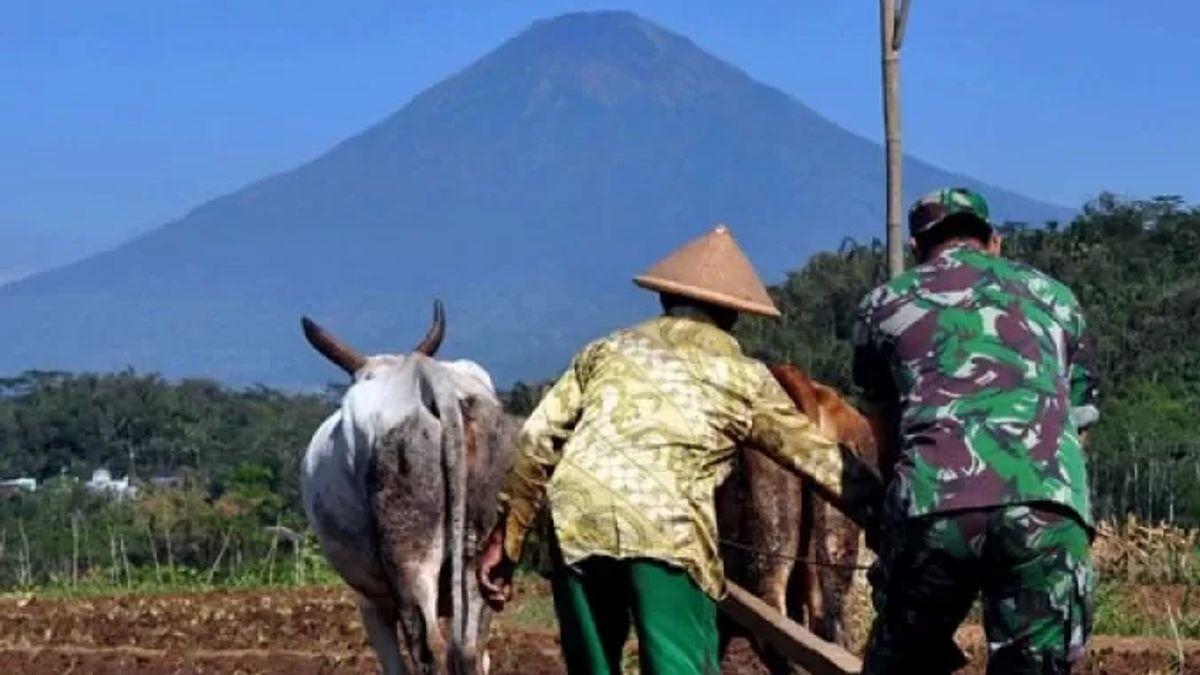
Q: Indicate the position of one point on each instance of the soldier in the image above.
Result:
(978, 379)
(629, 447)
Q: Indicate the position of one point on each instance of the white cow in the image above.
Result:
(400, 486)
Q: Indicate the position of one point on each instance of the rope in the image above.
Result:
(784, 556)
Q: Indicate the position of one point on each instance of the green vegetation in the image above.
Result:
(234, 456)
(55, 424)
(70, 539)
(1134, 264)
(1123, 610)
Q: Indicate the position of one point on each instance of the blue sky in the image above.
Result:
(117, 116)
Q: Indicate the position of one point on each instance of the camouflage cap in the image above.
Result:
(936, 206)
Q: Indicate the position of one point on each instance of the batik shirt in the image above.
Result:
(632, 441)
(988, 361)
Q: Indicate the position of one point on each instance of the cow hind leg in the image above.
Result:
(772, 588)
(379, 620)
(416, 584)
(484, 659)
(840, 553)
(419, 619)
(408, 508)
(477, 624)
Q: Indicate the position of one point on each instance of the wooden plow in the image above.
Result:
(795, 642)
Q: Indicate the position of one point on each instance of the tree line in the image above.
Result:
(1135, 266)
(231, 513)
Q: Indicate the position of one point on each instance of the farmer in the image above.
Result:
(978, 379)
(629, 447)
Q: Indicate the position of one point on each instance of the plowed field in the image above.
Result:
(316, 630)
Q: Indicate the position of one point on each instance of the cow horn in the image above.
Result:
(437, 331)
(333, 349)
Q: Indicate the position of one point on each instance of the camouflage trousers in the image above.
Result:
(1031, 565)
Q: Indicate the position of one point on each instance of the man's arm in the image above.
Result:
(789, 437)
(539, 449)
(876, 393)
(878, 401)
(1085, 380)
(885, 427)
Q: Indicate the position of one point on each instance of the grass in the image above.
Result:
(1120, 611)
(1122, 607)
(103, 590)
(533, 607)
(313, 570)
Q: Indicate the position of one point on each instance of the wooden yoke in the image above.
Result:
(794, 641)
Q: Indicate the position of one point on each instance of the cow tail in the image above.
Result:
(454, 469)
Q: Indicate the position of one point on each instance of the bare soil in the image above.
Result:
(316, 631)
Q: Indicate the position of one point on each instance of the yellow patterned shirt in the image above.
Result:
(630, 445)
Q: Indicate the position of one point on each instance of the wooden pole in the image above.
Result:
(112, 552)
(792, 640)
(74, 549)
(125, 562)
(891, 32)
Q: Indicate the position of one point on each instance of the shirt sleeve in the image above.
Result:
(790, 438)
(1085, 381)
(870, 370)
(874, 385)
(538, 451)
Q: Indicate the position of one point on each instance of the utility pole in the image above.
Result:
(892, 16)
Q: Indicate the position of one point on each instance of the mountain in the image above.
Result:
(27, 250)
(525, 191)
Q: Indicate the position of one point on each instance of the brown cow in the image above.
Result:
(768, 518)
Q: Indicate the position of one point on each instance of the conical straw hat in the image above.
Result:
(713, 269)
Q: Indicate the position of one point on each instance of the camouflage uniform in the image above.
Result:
(986, 361)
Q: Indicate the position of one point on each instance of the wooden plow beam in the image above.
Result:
(793, 641)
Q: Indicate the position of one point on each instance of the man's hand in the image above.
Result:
(872, 532)
(496, 571)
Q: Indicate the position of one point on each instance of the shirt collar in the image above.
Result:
(701, 331)
(953, 248)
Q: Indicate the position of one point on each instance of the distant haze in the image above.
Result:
(525, 192)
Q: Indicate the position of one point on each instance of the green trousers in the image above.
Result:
(1030, 563)
(600, 598)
